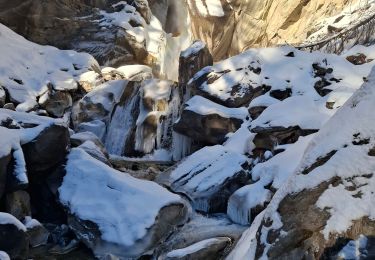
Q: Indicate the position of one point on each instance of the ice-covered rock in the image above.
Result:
(209, 176)
(90, 184)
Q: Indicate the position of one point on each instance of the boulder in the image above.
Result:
(10, 106)
(209, 177)
(228, 86)
(208, 122)
(128, 235)
(18, 204)
(47, 150)
(13, 240)
(56, 103)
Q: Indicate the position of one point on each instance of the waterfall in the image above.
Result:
(123, 119)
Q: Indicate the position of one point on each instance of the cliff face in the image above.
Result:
(258, 23)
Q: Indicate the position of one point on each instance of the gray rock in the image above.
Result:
(9, 106)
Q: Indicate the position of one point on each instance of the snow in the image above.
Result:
(90, 185)
(351, 15)
(307, 116)
(8, 219)
(130, 71)
(352, 250)
(183, 252)
(4, 256)
(26, 68)
(281, 166)
(241, 140)
(203, 106)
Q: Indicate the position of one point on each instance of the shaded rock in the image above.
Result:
(4, 162)
(255, 112)
(13, 237)
(208, 179)
(267, 138)
(209, 249)
(193, 59)
(18, 204)
(208, 122)
(47, 150)
(281, 94)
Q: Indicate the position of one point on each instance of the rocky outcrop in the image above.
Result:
(222, 24)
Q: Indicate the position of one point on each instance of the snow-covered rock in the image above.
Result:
(13, 240)
(209, 176)
(330, 196)
(26, 69)
(205, 121)
(90, 184)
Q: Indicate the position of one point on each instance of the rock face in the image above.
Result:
(256, 19)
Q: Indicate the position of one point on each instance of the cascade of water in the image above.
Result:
(121, 125)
